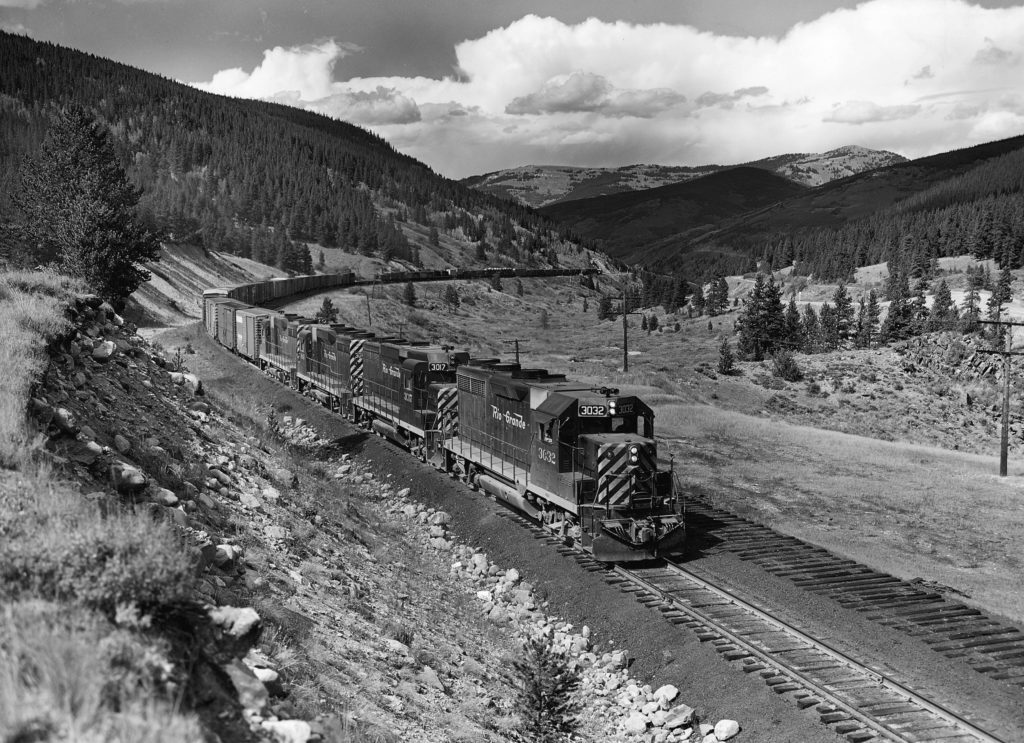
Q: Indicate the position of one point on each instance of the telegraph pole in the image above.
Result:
(1004, 442)
(625, 332)
(517, 341)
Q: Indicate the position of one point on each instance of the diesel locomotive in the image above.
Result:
(581, 459)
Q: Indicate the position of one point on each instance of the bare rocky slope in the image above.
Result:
(543, 185)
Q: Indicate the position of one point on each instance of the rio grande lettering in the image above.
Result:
(511, 419)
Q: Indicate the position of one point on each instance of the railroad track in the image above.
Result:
(949, 627)
(857, 700)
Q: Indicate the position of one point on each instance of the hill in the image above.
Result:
(910, 213)
(544, 185)
(624, 223)
(261, 181)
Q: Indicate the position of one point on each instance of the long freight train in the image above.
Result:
(581, 459)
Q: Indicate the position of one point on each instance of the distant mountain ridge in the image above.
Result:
(544, 185)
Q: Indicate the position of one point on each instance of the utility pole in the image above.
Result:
(625, 332)
(1004, 442)
(517, 342)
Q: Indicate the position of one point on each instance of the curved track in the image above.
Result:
(857, 700)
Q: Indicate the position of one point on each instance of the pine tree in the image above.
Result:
(794, 336)
(327, 313)
(643, 322)
(942, 312)
(843, 305)
(867, 321)
(79, 209)
(547, 707)
(604, 308)
(321, 262)
(519, 288)
(726, 361)
(812, 330)
(496, 282)
(652, 324)
(898, 322)
(409, 294)
(451, 298)
(697, 301)
(762, 324)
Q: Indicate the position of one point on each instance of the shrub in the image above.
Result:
(547, 707)
(726, 361)
(785, 367)
(56, 545)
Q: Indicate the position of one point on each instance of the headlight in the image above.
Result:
(611, 407)
(634, 455)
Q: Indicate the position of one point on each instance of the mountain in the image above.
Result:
(623, 223)
(259, 180)
(543, 185)
(909, 213)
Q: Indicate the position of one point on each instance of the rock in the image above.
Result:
(65, 420)
(252, 694)
(272, 531)
(249, 501)
(122, 444)
(104, 350)
(289, 731)
(679, 716)
(665, 694)
(163, 497)
(84, 452)
(725, 729)
(192, 383)
(441, 518)
(127, 479)
(635, 724)
(235, 621)
(429, 678)
(271, 494)
(222, 477)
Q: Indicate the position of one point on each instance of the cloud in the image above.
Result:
(16, 28)
(919, 76)
(728, 99)
(865, 112)
(380, 106)
(586, 92)
(26, 4)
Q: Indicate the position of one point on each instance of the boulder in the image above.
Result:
(65, 420)
(104, 350)
(635, 724)
(725, 729)
(289, 731)
(252, 694)
(163, 497)
(122, 444)
(127, 479)
(665, 694)
(234, 621)
(679, 716)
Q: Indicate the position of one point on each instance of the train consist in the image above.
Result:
(581, 459)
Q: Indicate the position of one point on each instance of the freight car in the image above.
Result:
(581, 459)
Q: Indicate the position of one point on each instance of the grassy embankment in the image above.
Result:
(68, 670)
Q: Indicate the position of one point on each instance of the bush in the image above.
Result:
(726, 361)
(785, 366)
(56, 545)
(547, 708)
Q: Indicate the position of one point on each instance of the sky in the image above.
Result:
(472, 86)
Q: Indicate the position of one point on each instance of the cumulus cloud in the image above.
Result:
(917, 76)
(587, 92)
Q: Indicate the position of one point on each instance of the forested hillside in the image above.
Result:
(966, 201)
(255, 179)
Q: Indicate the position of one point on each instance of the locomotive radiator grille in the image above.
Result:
(614, 469)
(356, 365)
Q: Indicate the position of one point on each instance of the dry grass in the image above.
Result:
(66, 675)
(31, 315)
